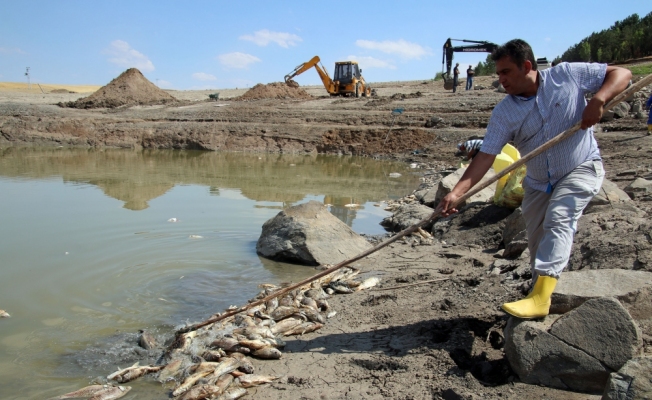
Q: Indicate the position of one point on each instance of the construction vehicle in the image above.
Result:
(347, 81)
(449, 49)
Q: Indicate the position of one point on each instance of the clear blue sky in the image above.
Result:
(225, 44)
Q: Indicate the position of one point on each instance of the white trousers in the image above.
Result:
(551, 218)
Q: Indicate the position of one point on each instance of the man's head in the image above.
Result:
(518, 50)
(516, 67)
(457, 64)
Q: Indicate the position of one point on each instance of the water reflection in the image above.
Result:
(137, 177)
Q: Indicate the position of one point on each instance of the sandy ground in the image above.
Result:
(433, 327)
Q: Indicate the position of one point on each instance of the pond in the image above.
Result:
(97, 244)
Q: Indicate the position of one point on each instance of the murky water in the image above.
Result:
(89, 255)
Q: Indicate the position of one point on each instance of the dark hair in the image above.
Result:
(517, 50)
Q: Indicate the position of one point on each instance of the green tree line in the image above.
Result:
(626, 39)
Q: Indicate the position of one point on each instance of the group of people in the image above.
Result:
(562, 179)
(456, 77)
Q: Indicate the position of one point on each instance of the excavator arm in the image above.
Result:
(321, 70)
(449, 49)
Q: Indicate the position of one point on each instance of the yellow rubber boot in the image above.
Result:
(537, 303)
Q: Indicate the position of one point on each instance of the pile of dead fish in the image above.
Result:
(213, 362)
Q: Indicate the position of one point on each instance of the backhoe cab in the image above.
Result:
(347, 81)
(449, 49)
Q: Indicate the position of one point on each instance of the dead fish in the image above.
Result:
(313, 315)
(213, 355)
(170, 371)
(233, 393)
(367, 283)
(263, 331)
(244, 320)
(247, 381)
(227, 365)
(285, 325)
(111, 393)
(185, 340)
(4, 314)
(131, 373)
(88, 391)
(283, 312)
(200, 392)
(146, 340)
(271, 305)
(223, 382)
(253, 344)
(340, 287)
(246, 366)
(189, 382)
(309, 302)
(225, 343)
(322, 305)
(286, 301)
(268, 353)
(317, 294)
(303, 328)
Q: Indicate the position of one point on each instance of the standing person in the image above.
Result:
(560, 181)
(469, 78)
(456, 77)
(648, 106)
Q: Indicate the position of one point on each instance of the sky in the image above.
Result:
(196, 44)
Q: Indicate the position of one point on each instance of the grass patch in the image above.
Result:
(641, 69)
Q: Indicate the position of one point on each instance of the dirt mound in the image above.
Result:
(274, 90)
(130, 88)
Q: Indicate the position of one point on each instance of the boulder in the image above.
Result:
(639, 189)
(631, 382)
(609, 193)
(621, 110)
(408, 215)
(607, 116)
(448, 183)
(632, 288)
(576, 351)
(308, 234)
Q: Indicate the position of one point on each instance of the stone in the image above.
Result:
(632, 288)
(576, 351)
(515, 235)
(448, 183)
(631, 382)
(309, 234)
(408, 215)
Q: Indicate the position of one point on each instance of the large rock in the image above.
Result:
(576, 351)
(408, 215)
(631, 382)
(308, 234)
(639, 189)
(609, 194)
(448, 183)
(632, 288)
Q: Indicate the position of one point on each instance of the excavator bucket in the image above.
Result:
(291, 83)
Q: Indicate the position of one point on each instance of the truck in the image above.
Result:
(347, 81)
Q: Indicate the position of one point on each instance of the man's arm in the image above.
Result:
(615, 81)
(474, 172)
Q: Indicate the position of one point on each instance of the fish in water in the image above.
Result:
(4, 314)
(96, 392)
(146, 340)
(171, 371)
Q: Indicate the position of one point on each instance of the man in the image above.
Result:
(469, 78)
(456, 77)
(470, 148)
(560, 181)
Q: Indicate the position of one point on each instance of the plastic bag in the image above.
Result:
(509, 188)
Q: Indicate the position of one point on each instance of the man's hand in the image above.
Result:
(446, 202)
(592, 113)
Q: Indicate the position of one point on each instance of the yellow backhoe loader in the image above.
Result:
(347, 81)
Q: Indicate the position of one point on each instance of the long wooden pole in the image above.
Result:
(563, 136)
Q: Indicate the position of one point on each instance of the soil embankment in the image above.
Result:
(433, 327)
